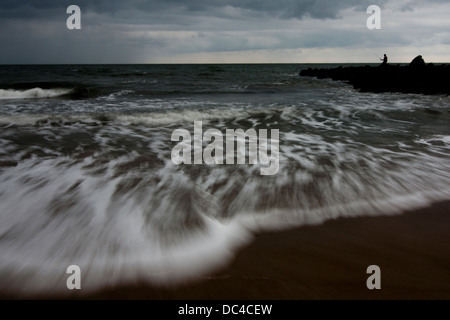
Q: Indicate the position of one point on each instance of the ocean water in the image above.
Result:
(86, 176)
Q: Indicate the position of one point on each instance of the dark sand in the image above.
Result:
(327, 261)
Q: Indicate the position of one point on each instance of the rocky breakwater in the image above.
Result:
(417, 77)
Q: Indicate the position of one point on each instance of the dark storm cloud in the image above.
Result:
(283, 9)
(34, 31)
(137, 10)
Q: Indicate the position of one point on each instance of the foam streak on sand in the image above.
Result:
(135, 217)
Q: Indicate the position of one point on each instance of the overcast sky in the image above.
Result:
(223, 31)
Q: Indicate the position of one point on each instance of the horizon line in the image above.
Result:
(197, 63)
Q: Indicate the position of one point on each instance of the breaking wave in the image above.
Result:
(34, 93)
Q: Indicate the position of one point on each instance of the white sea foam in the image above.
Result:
(112, 239)
(58, 212)
(445, 140)
(107, 197)
(33, 93)
(157, 118)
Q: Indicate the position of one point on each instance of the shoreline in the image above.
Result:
(326, 261)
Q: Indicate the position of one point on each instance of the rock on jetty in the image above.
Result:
(417, 77)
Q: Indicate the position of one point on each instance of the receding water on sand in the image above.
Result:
(88, 180)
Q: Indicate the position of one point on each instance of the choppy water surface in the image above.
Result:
(86, 176)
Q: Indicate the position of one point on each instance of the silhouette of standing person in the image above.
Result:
(385, 60)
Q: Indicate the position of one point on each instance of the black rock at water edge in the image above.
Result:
(417, 77)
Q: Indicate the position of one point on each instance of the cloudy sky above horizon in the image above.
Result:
(223, 31)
